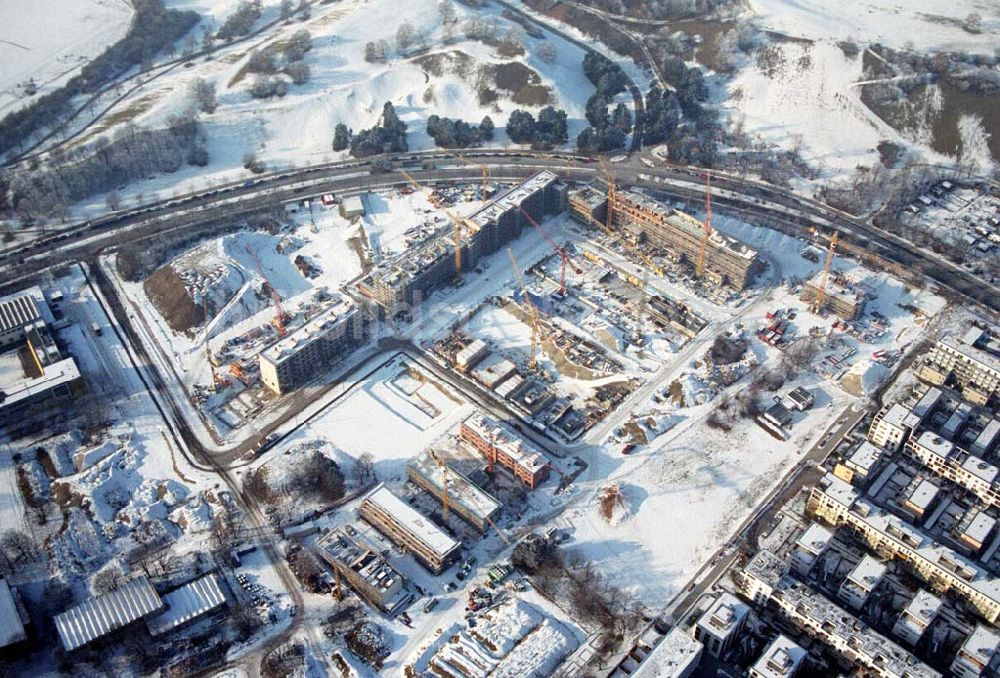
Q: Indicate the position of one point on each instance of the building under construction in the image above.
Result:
(466, 499)
(407, 279)
(364, 568)
(727, 261)
(501, 447)
(408, 528)
(310, 349)
(840, 296)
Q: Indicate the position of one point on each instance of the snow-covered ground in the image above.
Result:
(49, 41)
(923, 24)
(297, 129)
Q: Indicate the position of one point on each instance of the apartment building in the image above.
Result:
(719, 627)
(407, 528)
(781, 659)
(502, 448)
(406, 280)
(810, 546)
(975, 528)
(840, 296)
(979, 654)
(919, 497)
(765, 581)
(971, 362)
(862, 463)
(944, 459)
(862, 580)
(919, 613)
(942, 568)
(363, 567)
(466, 499)
(894, 423)
(727, 260)
(675, 655)
(311, 349)
(589, 204)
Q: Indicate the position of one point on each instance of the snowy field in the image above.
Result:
(49, 41)
(297, 129)
(926, 25)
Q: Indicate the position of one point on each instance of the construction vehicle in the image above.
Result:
(281, 318)
(482, 168)
(237, 371)
(219, 381)
(707, 228)
(532, 311)
(557, 248)
(821, 290)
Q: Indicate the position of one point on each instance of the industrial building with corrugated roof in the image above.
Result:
(187, 604)
(100, 615)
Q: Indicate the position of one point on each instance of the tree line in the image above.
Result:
(153, 29)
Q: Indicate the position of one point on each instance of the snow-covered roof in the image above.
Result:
(838, 489)
(921, 611)
(187, 603)
(976, 525)
(18, 388)
(461, 490)
(314, 330)
(419, 526)
(815, 538)
(781, 658)
(927, 402)
(865, 457)
(18, 311)
(982, 644)
(674, 655)
(100, 615)
(513, 198)
(935, 444)
(867, 573)
(896, 415)
(471, 351)
(921, 493)
(982, 358)
(980, 468)
(987, 436)
(524, 455)
(723, 616)
(11, 628)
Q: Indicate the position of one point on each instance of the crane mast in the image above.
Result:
(707, 227)
(821, 290)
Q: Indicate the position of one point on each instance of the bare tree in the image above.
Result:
(447, 12)
(203, 93)
(20, 543)
(107, 580)
(547, 52)
(113, 201)
(364, 468)
(404, 36)
(286, 10)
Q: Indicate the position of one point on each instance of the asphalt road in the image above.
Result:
(750, 199)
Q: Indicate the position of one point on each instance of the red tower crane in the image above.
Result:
(281, 318)
(559, 249)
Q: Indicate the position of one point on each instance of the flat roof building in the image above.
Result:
(469, 501)
(720, 625)
(727, 260)
(11, 622)
(765, 581)
(978, 655)
(408, 528)
(919, 496)
(363, 567)
(676, 655)
(891, 426)
(863, 462)
(840, 296)
(501, 447)
(946, 460)
(801, 399)
(974, 369)
(860, 583)
(975, 528)
(939, 566)
(918, 615)
(781, 659)
(310, 349)
(100, 615)
(809, 547)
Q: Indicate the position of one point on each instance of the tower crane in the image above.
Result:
(821, 290)
(218, 380)
(456, 219)
(482, 168)
(559, 249)
(707, 227)
(281, 318)
(611, 196)
(444, 483)
(532, 311)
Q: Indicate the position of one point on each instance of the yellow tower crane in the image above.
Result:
(707, 227)
(444, 483)
(609, 217)
(455, 218)
(821, 290)
(532, 311)
(482, 168)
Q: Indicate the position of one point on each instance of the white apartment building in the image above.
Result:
(946, 460)
(978, 655)
(942, 568)
(860, 583)
(918, 615)
(719, 627)
(809, 547)
(781, 659)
